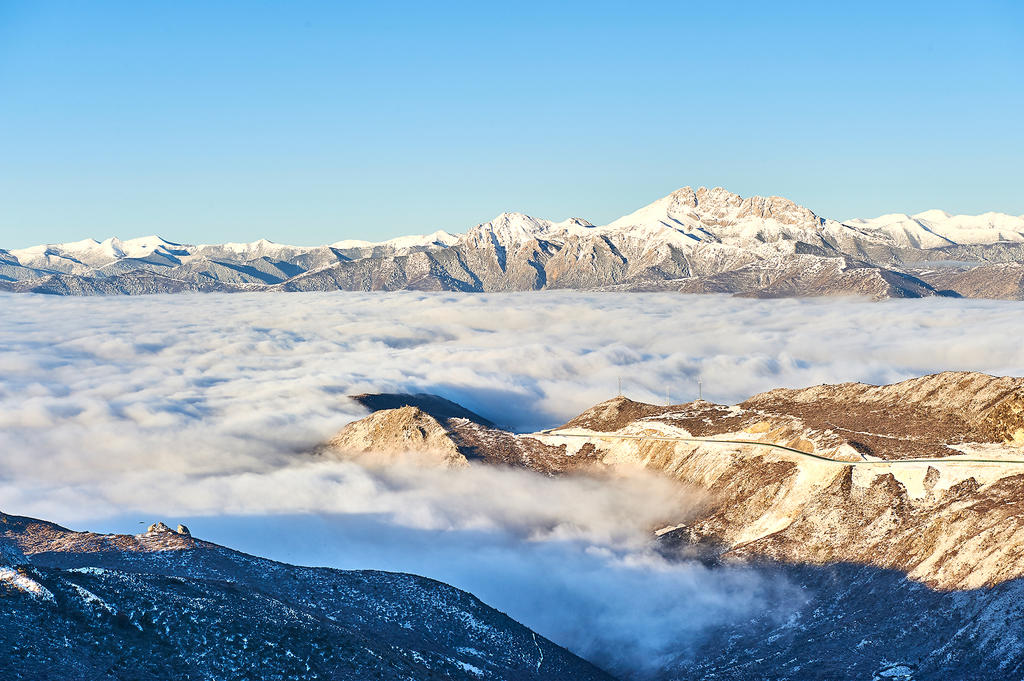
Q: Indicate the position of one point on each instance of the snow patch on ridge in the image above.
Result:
(25, 583)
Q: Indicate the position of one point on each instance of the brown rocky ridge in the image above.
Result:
(925, 476)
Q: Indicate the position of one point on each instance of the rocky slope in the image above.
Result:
(924, 476)
(693, 240)
(992, 280)
(163, 605)
(861, 622)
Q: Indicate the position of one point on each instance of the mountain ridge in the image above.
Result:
(785, 464)
(163, 605)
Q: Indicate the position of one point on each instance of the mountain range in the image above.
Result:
(693, 240)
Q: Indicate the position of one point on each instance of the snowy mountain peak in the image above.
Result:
(690, 216)
(577, 222)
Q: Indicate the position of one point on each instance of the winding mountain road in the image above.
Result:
(792, 450)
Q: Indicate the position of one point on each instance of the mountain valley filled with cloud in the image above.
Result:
(208, 409)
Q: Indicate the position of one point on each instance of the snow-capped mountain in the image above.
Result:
(694, 240)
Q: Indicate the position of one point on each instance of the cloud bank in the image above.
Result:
(120, 410)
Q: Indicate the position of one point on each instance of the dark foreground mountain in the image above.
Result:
(898, 510)
(163, 605)
(857, 622)
(693, 241)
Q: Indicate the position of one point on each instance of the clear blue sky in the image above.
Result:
(309, 122)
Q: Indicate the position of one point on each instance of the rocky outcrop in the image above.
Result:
(437, 407)
(393, 433)
(130, 283)
(37, 536)
(900, 568)
(451, 436)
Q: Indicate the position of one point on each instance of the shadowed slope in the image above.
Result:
(163, 606)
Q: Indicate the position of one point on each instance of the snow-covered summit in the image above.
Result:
(691, 215)
(95, 253)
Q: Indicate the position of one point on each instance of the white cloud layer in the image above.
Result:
(201, 407)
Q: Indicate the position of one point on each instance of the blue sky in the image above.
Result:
(309, 122)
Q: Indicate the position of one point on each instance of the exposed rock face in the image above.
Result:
(693, 240)
(952, 525)
(105, 606)
(435, 406)
(810, 275)
(617, 413)
(918, 417)
(393, 432)
(130, 283)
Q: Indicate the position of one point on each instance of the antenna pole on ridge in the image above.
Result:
(620, 386)
(700, 388)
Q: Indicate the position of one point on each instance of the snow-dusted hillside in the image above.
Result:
(162, 605)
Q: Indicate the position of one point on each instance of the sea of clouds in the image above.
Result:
(116, 411)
